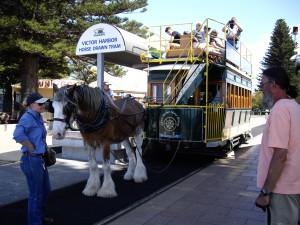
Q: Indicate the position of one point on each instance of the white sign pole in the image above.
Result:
(100, 70)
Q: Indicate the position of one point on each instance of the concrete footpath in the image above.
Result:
(221, 194)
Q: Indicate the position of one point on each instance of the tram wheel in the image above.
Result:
(229, 146)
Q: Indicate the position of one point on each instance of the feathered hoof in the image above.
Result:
(89, 192)
(140, 175)
(107, 194)
(140, 179)
(128, 176)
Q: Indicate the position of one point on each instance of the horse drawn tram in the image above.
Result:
(199, 95)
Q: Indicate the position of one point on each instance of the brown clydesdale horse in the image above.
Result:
(102, 122)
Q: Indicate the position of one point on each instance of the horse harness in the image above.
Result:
(102, 114)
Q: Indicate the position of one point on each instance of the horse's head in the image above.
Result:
(64, 107)
(87, 105)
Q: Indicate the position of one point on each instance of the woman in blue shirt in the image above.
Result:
(31, 133)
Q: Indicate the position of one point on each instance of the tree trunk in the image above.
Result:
(29, 74)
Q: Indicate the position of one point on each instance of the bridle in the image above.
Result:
(59, 119)
(68, 100)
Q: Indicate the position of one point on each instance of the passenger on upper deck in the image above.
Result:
(215, 41)
(233, 31)
(175, 35)
(203, 35)
(198, 34)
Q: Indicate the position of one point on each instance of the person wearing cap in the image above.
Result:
(107, 89)
(278, 174)
(31, 133)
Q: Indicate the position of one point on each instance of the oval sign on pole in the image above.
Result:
(100, 38)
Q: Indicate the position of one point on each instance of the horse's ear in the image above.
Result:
(70, 89)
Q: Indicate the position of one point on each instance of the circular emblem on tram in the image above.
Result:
(169, 121)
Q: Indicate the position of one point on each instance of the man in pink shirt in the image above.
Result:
(278, 173)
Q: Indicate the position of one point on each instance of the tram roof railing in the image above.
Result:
(158, 43)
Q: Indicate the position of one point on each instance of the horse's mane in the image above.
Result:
(89, 99)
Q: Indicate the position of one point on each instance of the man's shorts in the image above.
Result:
(285, 209)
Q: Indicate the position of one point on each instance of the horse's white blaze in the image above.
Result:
(58, 130)
(132, 162)
(108, 189)
(93, 182)
(140, 173)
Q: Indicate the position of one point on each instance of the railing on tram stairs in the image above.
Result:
(174, 83)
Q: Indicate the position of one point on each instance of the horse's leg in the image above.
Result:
(93, 182)
(108, 189)
(131, 158)
(140, 173)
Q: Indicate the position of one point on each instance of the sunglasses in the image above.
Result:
(40, 104)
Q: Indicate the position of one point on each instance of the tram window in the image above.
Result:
(157, 92)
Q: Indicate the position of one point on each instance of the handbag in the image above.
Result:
(49, 157)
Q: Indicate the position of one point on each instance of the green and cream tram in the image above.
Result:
(198, 97)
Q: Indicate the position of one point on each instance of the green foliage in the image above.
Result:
(280, 51)
(48, 31)
(281, 48)
(136, 28)
(257, 100)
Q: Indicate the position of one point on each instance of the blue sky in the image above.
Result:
(257, 17)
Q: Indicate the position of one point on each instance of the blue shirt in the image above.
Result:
(31, 128)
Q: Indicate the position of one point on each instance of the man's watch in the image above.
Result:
(264, 192)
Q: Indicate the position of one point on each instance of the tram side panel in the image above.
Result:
(174, 124)
(237, 122)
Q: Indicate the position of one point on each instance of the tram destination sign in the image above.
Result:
(100, 38)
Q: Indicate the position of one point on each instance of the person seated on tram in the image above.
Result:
(198, 35)
(233, 31)
(216, 41)
(175, 37)
(203, 97)
(202, 37)
(216, 44)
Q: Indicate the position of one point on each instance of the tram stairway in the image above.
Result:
(192, 81)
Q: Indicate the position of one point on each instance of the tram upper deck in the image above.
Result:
(186, 50)
(185, 69)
